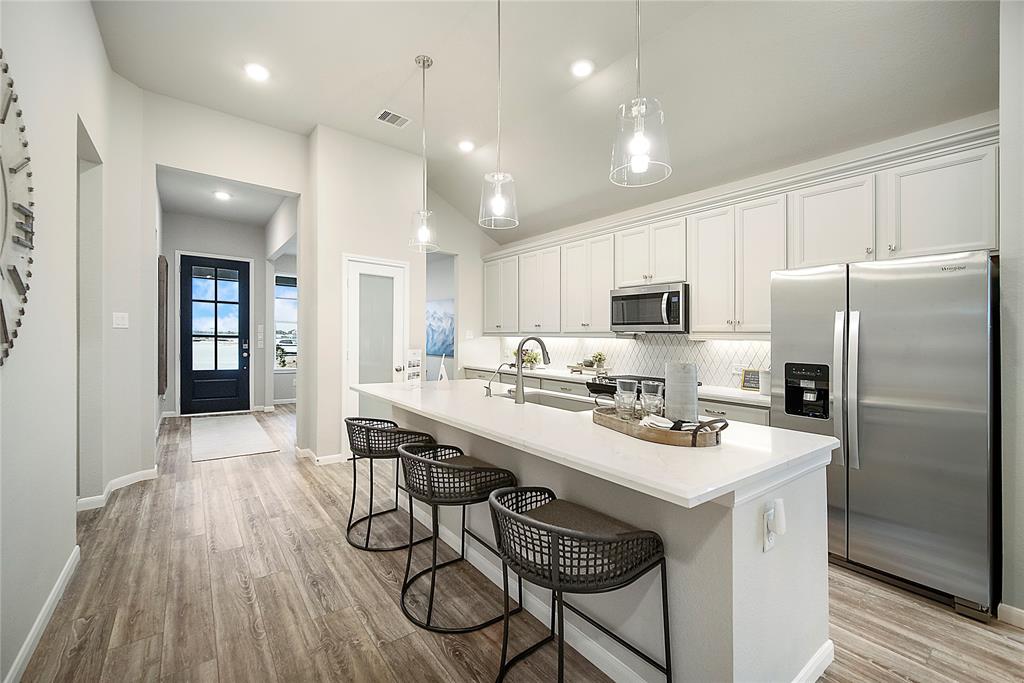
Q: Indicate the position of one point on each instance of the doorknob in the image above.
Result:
(399, 368)
(245, 354)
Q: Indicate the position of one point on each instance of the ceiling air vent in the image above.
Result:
(391, 118)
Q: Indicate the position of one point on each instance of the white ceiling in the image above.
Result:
(747, 86)
(192, 193)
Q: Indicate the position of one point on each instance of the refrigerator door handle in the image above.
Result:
(839, 335)
(852, 397)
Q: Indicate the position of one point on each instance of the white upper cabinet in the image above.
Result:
(540, 283)
(760, 249)
(587, 278)
(632, 256)
(711, 251)
(832, 222)
(650, 254)
(501, 295)
(668, 251)
(940, 205)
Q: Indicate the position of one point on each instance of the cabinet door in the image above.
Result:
(529, 294)
(632, 257)
(575, 286)
(602, 282)
(833, 223)
(668, 251)
(711, 250)
(940, 205)
(760, 249)
(509, 295)
(492, 296)
(548, 291)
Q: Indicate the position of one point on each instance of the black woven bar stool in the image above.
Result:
(568, 548)
(443, 475)
(375, 439)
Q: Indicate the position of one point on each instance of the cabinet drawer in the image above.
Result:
(478, 374)
(730, 411)
(565, 387)
(531, 382)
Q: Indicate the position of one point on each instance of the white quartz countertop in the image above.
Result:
(750, 457)
(707, 392)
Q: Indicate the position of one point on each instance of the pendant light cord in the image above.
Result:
(423, 120)
(638, 49)
(498, 151)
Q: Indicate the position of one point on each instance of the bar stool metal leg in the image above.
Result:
(408, 581)
(369, 517)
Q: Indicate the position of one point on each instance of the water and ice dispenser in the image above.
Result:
(807, 390)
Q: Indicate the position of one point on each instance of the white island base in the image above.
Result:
(737, 613)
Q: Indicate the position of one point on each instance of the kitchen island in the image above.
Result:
(738, 612)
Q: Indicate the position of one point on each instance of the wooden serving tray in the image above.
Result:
(709, 433)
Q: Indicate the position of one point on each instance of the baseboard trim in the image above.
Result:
(489, 566)
(168, 413)
(283, 401)
(28, 647)
(817, 664)
(93, 502)
(1014, 616)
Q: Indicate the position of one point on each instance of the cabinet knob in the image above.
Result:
(868, 251)
(729, 322)
(892, 248)
(738, 322)
(498, 326)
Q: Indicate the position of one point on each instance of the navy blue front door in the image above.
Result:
(214, 335)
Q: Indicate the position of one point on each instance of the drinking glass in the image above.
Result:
(624, 405)
(626, 386)
(651, 387)
(652, 404)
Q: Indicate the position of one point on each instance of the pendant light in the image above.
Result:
(498, 196)
(640, 153)
(423, 238)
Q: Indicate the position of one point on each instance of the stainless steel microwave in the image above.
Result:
(653, 308)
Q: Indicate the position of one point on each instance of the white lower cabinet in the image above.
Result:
(733, 412)
(540, 283)
(501, 295)
(588, 276)
(940, 205)
(832, 222)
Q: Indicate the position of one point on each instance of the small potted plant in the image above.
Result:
(530, 359)
(599, 359)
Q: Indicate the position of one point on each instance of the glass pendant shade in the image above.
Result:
(498, 201)
(423, 238)
(640, 153)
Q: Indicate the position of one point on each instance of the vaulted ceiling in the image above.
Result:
(747, 86)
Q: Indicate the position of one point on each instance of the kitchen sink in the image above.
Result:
(576, 405)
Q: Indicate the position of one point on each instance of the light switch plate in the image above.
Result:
(120, 321)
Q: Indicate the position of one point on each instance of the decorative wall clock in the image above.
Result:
(18, 228)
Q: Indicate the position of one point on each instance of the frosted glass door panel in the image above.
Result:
(376, 338)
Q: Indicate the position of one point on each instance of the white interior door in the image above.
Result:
(376, 331)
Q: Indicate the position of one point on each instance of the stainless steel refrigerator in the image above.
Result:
(896, 359)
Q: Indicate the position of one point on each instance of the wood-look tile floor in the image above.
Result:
(238, 569)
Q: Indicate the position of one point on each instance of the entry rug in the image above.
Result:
(228, 436)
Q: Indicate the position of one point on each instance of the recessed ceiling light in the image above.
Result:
(466, 146)
(257, 72)
(582, 68)
(222, 195)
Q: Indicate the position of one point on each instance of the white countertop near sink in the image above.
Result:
(750, 458)
(708, 392)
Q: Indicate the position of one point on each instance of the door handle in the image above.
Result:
(245, 354)
(852, 391)
(839, 334)
(714, 412)
(664, 308)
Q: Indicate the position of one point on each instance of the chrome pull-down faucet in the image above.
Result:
(487, 391)
(520, 394)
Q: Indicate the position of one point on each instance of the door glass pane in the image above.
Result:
(227, 318)
(202, 318)
(227, 353)
(202, 353)
(227, 285)
(376, 337)
(202, 282)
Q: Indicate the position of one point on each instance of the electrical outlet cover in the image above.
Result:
(738, 369)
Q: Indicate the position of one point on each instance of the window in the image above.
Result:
(286, 321)
(214, 318)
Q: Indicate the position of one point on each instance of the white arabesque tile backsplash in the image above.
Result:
(647, 354)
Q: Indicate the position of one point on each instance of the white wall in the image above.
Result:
(282, 226)
(186, 233)
(1011, 285)
(90, 325)
(61, 73)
